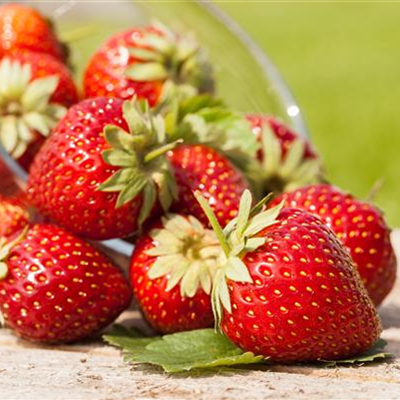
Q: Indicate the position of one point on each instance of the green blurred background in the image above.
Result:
(342, 62)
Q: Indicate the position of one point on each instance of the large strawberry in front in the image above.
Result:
(35, 92)
(360, 226)
(172, 270)
(138, 62)
(103, 171)
(23, 28)
(287, 289)
(286, 160)
(55, 287)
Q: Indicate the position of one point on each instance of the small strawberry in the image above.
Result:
(139, 61)
(286, 159)
(198, 167)
(359, 226)
(14, 215)
(35, 92)
(54, 287)
(23, 28)
(172, 269)
(287, 289)
(103, 171)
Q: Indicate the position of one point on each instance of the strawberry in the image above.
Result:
(359, 226)
(171, 271)
(198, 167)
(286, 159)
(55, 287)
(23, 28)
(286, 288)
(35, 92)
(103, 171)
(140, 61)
(14, 215)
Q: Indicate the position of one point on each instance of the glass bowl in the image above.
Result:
(246, 78)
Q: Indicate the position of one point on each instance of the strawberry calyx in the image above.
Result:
(187, 254)
(25, 106)
(204, 119)
(238, 238)
(140, 155)
(284, 173)
(6, 246)
(163, 55)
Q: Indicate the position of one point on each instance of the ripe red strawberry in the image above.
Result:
(360, 227)
(139, 61)
(286, 159)
(57, 288)
(198, 167)
(35, 92)
(288, 289)
(23, 28)
(103, 172)
(14, 215)
(171, 272)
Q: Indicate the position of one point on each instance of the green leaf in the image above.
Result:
(119, 181)
(373, 354)
(244, 213)
(117, 138)
(133, 118)
(196, 103)
(131, 190)
(144, 54)
(150, 71)
(184, 351)
(120, 158)
(149, 199)
(237, 270)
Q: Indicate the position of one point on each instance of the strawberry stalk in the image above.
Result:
(238, 238)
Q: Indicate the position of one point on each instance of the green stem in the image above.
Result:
(159, 151)
(260, 205)
(214, 222)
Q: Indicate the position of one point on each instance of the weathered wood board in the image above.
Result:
(95, 371)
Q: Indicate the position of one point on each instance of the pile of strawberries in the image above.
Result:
(148, 154)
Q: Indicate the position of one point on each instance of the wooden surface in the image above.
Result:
(95, 371)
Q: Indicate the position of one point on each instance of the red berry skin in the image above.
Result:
(360, 227)
(285, 135)
(66, 94)
(66, 173)
(306, 301)
(14, 215)
(105, 73)
(59, 288)
(166, 311)
(24, 29)
(198, 167)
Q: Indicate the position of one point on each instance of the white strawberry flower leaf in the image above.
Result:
(25, 106)
(167, 56)
(289, 171)
(186, 253)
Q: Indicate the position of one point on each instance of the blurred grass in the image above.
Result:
(342, 62)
